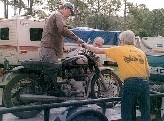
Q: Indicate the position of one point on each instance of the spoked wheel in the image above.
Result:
(17, 85)
(109, 86)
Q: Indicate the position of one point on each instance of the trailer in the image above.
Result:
(75, 109)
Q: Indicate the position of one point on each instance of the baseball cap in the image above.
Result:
(70, 6)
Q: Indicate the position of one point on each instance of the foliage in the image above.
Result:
(98, 14)
(104, 22)
(145, 22)
(157, 22)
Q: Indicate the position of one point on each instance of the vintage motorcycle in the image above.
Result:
(74, 78)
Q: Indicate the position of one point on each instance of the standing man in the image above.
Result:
(133, 67)
(55, 29)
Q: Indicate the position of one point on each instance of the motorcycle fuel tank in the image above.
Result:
(75, 60)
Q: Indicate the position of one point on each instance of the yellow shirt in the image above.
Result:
(132, 62)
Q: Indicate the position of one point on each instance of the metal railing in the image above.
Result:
(46, 107)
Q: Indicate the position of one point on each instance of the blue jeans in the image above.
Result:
(135, 92)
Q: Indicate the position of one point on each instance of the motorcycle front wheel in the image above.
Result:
(21, 84)
(112, 83)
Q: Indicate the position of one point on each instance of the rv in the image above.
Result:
(151, 45)
(20, 38)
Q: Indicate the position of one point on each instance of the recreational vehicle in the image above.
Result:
(20, 38)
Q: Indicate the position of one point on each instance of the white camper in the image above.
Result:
(19, 39)
(151, 45)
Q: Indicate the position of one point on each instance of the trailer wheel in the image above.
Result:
(81, 114)
(20, 84)
(87, 116)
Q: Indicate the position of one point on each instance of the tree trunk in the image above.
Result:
(31, 4)
(77, 12)
(125, 2)
(6, 8)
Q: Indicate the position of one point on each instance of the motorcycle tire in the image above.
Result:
(83, 113)
(20, 84)
(114, 86)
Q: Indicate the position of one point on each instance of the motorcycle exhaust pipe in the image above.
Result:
(45, 98)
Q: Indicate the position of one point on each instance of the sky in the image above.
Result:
(151, 4)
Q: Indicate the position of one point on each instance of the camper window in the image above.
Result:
(4, 33)
(36, 34)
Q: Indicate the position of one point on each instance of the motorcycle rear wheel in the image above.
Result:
(113, 84)
(21, 84)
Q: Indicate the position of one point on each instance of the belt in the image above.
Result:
(135, 78)
(47, 47)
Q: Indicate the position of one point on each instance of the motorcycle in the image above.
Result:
(74, 78)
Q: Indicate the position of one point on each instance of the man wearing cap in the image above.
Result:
(55, 29)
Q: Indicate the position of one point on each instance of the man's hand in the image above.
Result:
(80, 41)
(65, 50)
(84, 44)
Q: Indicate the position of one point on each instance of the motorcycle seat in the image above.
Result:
(40, 65)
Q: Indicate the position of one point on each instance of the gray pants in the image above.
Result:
(48, 54)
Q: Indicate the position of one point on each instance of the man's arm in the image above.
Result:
(67, 33)
(96, 50)
(63, 28)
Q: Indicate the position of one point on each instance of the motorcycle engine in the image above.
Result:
(74, 88)
(75, 72)
(82, 60)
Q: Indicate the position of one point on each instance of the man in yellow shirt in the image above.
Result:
(133, 67)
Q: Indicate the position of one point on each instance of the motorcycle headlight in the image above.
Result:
(82, 60)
